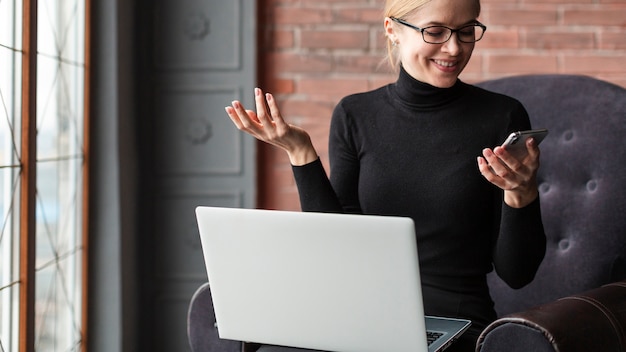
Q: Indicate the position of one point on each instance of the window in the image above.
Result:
(42, 175)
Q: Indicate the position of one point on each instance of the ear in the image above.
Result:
(390, 29)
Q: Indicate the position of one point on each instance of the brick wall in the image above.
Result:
(313, 52)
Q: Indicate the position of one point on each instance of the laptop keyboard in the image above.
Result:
(432, 336)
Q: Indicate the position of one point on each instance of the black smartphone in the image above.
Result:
(515, 143)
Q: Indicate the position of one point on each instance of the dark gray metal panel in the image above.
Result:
(208, 33)
(204, 58)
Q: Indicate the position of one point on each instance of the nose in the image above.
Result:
(453, 45)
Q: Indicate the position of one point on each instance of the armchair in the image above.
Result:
(578, 299)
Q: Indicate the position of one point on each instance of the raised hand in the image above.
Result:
(270, 127)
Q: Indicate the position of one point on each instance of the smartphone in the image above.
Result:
(515, 143)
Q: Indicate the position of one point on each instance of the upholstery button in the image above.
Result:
(568, 135)
(544, 188)
(564, 244)
(592, 186)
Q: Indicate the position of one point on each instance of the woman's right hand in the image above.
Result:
(271, 128)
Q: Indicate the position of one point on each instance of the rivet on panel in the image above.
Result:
(564, 244)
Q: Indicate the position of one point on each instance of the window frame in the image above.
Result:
(28, 178)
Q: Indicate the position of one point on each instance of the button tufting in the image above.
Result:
(544, 188)
(592, 185)
(564, 244)
(568, 135)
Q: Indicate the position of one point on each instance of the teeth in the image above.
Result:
(444, 63)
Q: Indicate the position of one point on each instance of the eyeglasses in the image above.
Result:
(470, 33)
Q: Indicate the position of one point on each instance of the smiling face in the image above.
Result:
(436, 64)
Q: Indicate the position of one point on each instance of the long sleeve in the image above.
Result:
(521, 244)
(316, 193)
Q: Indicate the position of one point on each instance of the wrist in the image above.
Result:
(517, 199)
(302, 155)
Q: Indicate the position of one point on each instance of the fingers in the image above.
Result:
(240, 116)
(271, 102)
(507, 172)
(261, 108)
(525, 164)
(533, 148)
(234, 117)
(492, 169)
(249, 120)
(264, 124)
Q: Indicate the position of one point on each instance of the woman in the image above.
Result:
(422, 147)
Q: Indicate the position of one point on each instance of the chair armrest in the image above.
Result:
(250, 347)
(591, 321)
(202, 332)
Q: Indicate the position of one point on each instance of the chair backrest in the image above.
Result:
(582, 184)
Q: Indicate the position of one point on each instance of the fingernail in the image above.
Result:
(257, 91)
(268, 96)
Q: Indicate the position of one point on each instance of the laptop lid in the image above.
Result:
(332, 282)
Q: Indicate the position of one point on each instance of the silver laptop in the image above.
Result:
(331, 282)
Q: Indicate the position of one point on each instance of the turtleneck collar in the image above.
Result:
(416, 94)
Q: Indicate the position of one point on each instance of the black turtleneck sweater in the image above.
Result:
(410, 149)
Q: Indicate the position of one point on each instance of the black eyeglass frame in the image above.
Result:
(421, 30)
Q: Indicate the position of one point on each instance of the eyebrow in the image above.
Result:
(472, 21)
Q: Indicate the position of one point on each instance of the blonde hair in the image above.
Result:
(404, 9)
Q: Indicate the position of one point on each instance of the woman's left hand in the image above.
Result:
(517, 177)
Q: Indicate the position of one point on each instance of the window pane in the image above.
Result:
(11, 24)
(10, 113)
(60, 74)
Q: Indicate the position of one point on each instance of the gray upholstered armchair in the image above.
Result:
(577, 302)
(582, 182)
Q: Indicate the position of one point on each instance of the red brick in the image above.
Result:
(383, 80)
(559, 40)
(279, 86)
(557, 2)
(379, 43)
(335, 39)
(372, 16)
(299, 108)
(300, 16)
(612, 41)
(511, 17)
(521, 64)
(486, 3)
(500, 39)
(583, 64)
(359, 63)
(280, 39)
(336, 88)
(319, 132)
(596, 16)
(475, 65)
(298, 63)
